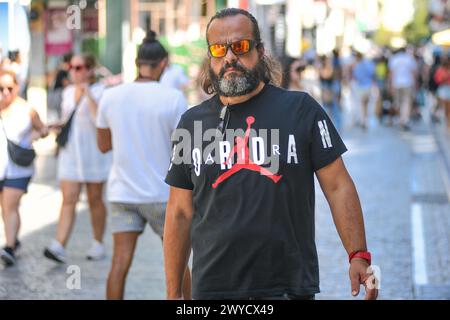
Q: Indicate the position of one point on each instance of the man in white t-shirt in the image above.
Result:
(403, 75)
(135, 121)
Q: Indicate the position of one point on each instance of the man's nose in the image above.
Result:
(230, 56)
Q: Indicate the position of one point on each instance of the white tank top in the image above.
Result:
(18, 127)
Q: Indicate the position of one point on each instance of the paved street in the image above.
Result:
(402, 179)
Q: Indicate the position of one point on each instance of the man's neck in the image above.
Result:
(241, 99)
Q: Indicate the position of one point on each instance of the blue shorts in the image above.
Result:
(19, 183)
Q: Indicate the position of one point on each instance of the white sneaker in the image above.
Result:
(96, 252)
(56, 252)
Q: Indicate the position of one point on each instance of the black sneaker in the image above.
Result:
(7, 256)
(53, 256)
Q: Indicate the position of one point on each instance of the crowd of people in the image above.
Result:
(121, 137)
(398, 82)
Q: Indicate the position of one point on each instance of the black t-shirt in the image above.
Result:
(253, 225)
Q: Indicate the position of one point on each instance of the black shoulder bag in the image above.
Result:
(63, 135)
(21, 156)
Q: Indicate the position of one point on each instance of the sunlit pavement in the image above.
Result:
(403, 184)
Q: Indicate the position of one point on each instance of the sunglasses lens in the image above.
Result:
(77, 68)
(8, 88)
(240, 47)
(218, 50)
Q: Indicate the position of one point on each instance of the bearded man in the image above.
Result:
(248, 221)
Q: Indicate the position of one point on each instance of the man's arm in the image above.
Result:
(343, 199)
(177, 239)
(104, 142)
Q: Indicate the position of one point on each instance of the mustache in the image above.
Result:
(234, 65)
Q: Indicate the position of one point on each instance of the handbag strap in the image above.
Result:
(72, 114)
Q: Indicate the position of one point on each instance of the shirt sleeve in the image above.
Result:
(97, 91)
(101, 121)
(182, 78)
(179, 173)
(326, 145)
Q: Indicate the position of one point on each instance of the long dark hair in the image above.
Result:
(151, 51)
(271, 67)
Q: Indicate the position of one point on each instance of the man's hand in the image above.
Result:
(359, 275)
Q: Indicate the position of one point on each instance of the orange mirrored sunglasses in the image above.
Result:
(240, 47)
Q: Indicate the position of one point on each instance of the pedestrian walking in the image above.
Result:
(292, 73)
(248, 217)
(403, 77)
(62, 80)
(433, 87)
(20, 125)
(80, 162)
(135, 121)
(363, 75)
(383, 103)
(330, 87)
(442, 78)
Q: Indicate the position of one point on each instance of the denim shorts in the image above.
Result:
(19, 183)
(127, 217)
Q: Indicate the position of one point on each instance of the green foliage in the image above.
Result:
(418, 29)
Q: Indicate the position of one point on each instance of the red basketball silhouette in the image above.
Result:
(244, 162)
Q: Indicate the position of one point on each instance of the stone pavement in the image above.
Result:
(393, 172)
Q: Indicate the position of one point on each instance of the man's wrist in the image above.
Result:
(360, 254)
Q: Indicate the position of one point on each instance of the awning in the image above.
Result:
(442, 38)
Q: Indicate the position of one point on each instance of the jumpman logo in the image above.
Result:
(243, 159)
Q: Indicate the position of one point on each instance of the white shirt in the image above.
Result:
(174, 77)
(403, 68)
(18, 128)
(80, 159)
(3, 155)
(141, 117)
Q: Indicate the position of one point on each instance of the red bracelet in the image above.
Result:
(360, 254)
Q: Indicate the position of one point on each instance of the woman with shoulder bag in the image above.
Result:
(20, 124)
(80, 162)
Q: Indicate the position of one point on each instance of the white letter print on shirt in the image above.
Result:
(325, 134)
(292, 150)
(197, 160)
(224, 152)
(173, 157)
(258, 150)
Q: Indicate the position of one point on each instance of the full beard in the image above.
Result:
(237, 84)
